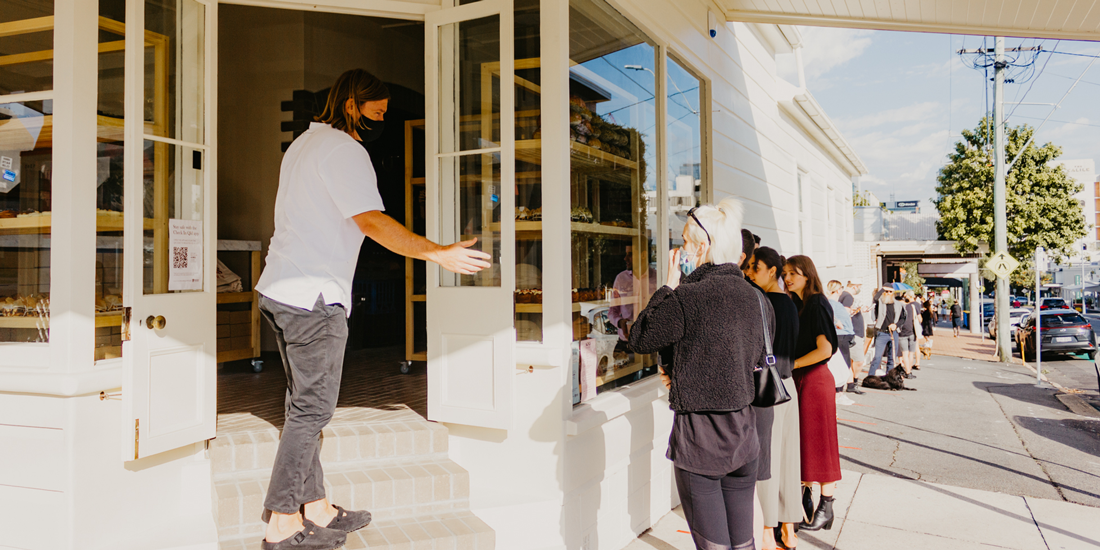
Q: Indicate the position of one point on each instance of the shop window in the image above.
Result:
(685, 147)
(528, 172)
(26, 46)
(613, 219)
(109, 182)
(26, 165)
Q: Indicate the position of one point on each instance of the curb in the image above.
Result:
(1077, 405)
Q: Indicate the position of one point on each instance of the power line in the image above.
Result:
(1033, 81)
(1060, 121)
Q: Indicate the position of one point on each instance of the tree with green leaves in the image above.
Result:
(1039, 198)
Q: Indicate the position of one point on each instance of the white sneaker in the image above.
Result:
(842, 399)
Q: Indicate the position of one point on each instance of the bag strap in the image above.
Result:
(769, 359)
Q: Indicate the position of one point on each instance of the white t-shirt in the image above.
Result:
(325, 179)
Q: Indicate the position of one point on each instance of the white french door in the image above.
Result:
(170, 234)
(470, 131)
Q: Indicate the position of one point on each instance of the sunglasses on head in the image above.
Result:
(691, 214)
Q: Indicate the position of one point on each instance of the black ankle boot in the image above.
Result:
(807, 504)
(823, 516)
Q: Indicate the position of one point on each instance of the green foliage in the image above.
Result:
(1039, 202)
(912, 278)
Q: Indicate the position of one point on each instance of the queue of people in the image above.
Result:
(723, 297)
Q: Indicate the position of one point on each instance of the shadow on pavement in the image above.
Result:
(1025, 392)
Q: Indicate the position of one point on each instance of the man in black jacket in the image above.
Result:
(889, 315)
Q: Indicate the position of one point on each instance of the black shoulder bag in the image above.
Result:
(770, 390)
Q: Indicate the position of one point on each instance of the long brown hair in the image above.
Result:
(357, 84)
(813, 283)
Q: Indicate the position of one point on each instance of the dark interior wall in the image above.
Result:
(264, 55)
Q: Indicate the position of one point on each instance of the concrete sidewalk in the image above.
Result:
(877, 511)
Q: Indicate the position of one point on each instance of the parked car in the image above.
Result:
(1053, 303)
(1015, 315)
(1062, 330)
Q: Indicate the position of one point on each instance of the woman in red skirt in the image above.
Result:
(817, 342)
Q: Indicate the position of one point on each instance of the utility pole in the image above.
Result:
(1000, 222)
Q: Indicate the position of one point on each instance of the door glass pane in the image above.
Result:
(109, 182)
(26, 46)
(469, 54)
(175, 35)
(173, 212)
(528, 192)
(685, 151)
(26, 164)
(470, 209)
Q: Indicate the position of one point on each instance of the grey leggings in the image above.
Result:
(312, 347)
(719, 509)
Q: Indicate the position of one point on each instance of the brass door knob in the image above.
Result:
(157, 322)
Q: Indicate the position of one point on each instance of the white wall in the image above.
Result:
(1084, 173)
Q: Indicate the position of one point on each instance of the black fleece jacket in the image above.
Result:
(712, 323)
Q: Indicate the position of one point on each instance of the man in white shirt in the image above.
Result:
(327, 201)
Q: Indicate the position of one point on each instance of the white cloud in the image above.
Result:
(909, 113)
(828, 48)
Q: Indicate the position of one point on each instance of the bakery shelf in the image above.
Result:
(102, 319)
(41, 223)
(625, 370)
(527, 227)
(235, 297)
(583, 156)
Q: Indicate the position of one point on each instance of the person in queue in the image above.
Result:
(908, 332)
(709, 320)
(845, 332)
(328, 200)
(859, 345)
(778, 494)
(888, 315)
(817, 342)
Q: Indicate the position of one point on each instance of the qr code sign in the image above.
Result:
(179, 257)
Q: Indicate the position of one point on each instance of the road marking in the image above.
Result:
(852, 448)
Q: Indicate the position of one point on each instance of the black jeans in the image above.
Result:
(719, 509)
(312, 347)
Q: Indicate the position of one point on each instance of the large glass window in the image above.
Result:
(109, 183)
(613, 128)
(26, 169)
(685, 147)
(528, 172)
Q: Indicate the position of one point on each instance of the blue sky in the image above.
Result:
(901, 99)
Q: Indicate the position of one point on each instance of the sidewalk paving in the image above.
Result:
(876, 511)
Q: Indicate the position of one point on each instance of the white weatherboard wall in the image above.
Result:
(595, 476)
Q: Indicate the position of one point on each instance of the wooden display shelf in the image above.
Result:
(236, 297)
(526, 230)
(42, 223)
(537, 308)
(582, 157)
(623, 371)
(102, 319)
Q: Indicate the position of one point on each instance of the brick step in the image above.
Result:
(391, 490)
(255, 451)
(446, 531)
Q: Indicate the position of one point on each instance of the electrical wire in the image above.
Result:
(1007, 118)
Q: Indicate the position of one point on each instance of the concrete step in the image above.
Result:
(446, 531)
(255, 451)
(391, 490)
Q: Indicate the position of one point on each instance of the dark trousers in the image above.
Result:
(884, 342)
(719, 509)
(844, 346)
(311, 344)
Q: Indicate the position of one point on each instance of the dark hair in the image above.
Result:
(747, 247)
(770, 258)
(756, 238)
(813, 282)
(355, 84)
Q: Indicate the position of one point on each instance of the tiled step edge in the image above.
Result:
(345, 443)
(448, 531)
(397, 490)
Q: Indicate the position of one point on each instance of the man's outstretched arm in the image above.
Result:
(458, 257)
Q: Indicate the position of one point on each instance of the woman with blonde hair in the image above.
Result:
(817, 342)
(711, 323)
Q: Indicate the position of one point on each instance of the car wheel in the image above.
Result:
(1091, 354)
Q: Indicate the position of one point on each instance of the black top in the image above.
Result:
(713, 324)
(906, 329)
(847, 300)
(713, 443)
(926, 323)
(815, 320)
(888, 318)
(956, 310)
(786, 332)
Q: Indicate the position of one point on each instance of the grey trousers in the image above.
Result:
(884, 343)
(718, 509)
(311, 344)
(781, 495)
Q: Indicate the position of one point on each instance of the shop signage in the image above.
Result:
(184, 255)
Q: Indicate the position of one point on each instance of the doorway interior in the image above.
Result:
(275, 67)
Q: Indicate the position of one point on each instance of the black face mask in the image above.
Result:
(370, 133)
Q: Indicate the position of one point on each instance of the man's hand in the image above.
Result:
(624, 326)
(893, 327)
(460, 258)
(665, 378)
